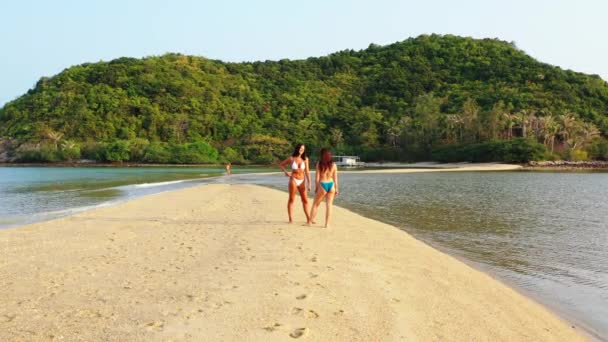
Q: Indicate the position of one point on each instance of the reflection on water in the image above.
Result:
(102, 194)
(545, 232)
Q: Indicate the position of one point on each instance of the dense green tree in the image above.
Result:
(117, 151)
(400, 101)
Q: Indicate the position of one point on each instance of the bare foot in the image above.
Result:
(327, 226)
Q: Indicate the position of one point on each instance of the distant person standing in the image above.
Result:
(228, 168)
(326, 185)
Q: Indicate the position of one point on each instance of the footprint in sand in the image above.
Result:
(308, 314)
(156, 325)
(302, 296)
(299, 332)
(8, 318)
(311, 314)
(272, 327)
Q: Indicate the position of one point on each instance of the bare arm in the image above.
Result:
(317, 178)
(282, 166)
(336, 177)
(308, 174)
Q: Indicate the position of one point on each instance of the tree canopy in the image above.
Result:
(403, 101)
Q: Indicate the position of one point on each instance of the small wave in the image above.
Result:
(9, 221)
(67, 190)
(70, 211)
(149, 185)
(54, 214)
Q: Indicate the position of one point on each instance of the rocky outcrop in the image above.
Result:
(3, 152)
(6, 145)
(565, 164)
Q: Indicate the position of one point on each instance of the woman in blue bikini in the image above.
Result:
(326, 180)
(300, 173)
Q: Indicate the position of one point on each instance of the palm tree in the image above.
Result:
(550, 129)
(453, 127)
(398, 130)
(580, 134)
(336, 136)
(181, 125)
(55, 137)
(67, 145)
(405, 122)
(588, 132)
(521, 120)
(509, 122)
(393, 133)
(526, 120)
(568, 126)
(534, 123)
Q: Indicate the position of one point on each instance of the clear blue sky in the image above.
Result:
(41, 38)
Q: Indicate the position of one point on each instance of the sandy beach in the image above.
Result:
(439, 167)
(220, 263)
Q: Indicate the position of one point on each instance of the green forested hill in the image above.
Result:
(430, 97)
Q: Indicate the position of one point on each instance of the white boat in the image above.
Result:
(348, 161)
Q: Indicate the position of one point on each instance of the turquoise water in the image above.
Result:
(546, 233)
(30, 194)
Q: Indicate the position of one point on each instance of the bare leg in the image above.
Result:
(329, 204)
(292, 196)
(304, 196)
(315, 205)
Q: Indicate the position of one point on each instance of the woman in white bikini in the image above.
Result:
(326, 185)
(300, 174)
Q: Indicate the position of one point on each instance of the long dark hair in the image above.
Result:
(296, 152)
(325, 160)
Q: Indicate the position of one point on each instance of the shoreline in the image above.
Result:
(422, 167)
(560, 312)
(590, 166)
(445, 167)
(113, 259)
(117, 165)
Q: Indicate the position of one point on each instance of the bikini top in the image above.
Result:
(294, 165)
